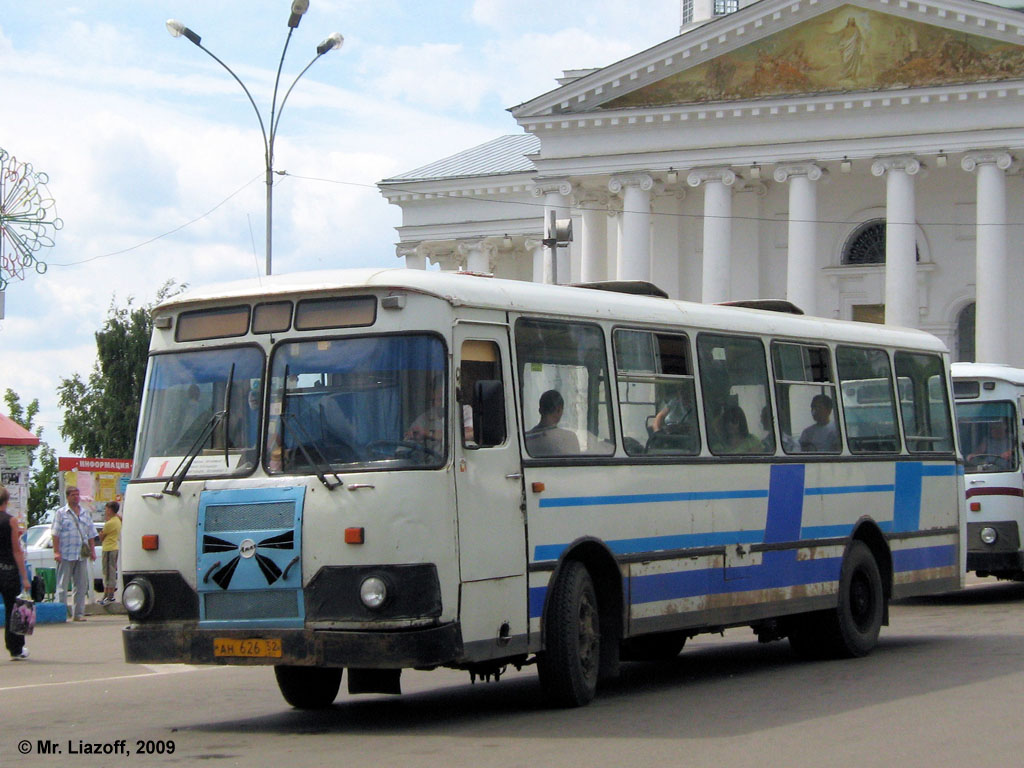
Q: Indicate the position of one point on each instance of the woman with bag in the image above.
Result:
(13, 576)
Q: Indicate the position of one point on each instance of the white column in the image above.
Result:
(594, 237)
(636, 224)
(556, 198)
(801, 265)
(991, 340)
(717, 184)
(415, 255)
(535, 248)
(900, 238)
(478, 255)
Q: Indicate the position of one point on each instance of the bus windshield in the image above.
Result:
(987, 435)
(186, 393)
(357, 403)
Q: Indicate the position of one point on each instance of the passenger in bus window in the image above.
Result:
(547, 438)
(822, 436)
(671, 414)
(735, 435)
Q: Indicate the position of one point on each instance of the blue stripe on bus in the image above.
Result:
(660, 543)
(650, 498)
(785, 503)
(906, 503)
(832, 490)
(926, 557)
(778, 570)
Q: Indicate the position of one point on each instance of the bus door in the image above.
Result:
(489, 484)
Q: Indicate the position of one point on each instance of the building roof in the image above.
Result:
(506, 154)
(12, 433)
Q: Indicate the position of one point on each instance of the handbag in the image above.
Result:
(38, 589)
(23, 615)
(86, 551)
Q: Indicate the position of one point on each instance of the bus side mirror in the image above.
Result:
(488, 413)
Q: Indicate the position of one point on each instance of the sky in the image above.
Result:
(155, 160)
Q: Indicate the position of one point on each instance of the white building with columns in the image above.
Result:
(860, 159)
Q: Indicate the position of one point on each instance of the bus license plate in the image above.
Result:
(246, 646)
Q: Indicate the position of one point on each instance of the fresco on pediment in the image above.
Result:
(846, 49)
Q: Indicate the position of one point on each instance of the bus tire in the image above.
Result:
(568, 667)
(308, 687)
(851, 628)
(858, 617)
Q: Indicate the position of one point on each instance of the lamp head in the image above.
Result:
(177, 29)
(329, 43)
(299, 7)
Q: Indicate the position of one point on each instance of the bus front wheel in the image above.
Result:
(852, 628)
(569, 665)
(308, 687)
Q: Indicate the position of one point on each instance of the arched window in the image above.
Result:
(866, 245)
(965, 334)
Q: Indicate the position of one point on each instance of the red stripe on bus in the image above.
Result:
(994, 492)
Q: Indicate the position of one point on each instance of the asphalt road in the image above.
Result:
(945, 687)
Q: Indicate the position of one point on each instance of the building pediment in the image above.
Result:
(849, 48)
(775, 48)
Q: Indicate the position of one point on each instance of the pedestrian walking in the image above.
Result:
(13, 575)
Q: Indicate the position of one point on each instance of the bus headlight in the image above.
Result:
(989, 535)
(138, 598)
(373, 592)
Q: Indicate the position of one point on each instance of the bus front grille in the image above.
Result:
(252, 605)
(222, 518)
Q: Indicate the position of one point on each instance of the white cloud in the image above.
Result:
(438, 76)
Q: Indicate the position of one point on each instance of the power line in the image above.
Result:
(158, 237)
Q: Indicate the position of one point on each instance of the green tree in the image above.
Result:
(101, 415)
(42, 493)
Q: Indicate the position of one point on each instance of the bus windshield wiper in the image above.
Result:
(320, 465)
(178, 476)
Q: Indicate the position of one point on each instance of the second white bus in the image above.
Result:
(989, 408)
(371, 471)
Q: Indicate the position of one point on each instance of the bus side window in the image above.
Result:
(657, 399)
(565, 395)
(481, 394)
(869, 404)
(734, 384)
(805, 393)
(923, 403)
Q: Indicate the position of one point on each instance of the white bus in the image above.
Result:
(378, 470)
(989, 407)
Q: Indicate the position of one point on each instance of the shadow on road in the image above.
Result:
(714, 690)
(981, 593)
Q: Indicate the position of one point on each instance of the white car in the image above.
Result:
(38, 547)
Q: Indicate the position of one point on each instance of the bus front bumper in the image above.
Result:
(985, 563)
(189, 644)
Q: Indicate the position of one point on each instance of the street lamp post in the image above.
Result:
(299, 7)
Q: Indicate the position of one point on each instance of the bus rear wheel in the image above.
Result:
(569, 665)
(308, 687)
(852, 628)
